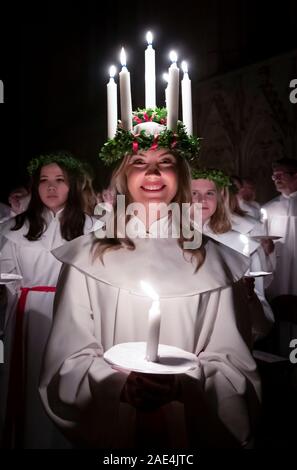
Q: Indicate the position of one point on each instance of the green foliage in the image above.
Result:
(65, 159)
(125, 142)
(218, 176)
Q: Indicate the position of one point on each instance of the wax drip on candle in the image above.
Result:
(187, 99)
(150, 73)
(125, 94)
(166, 78)
(173, 93)
(112, 105)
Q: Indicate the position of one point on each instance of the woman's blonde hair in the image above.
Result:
(119, 183)
(220, 221)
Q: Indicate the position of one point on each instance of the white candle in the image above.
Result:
(173, 93)
(187, 100)
(165, 77)
(150, 74)
(125, 94)
(112, 104)
(154, 322)
(265, 221)
(246, 248)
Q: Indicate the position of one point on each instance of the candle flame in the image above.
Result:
(264, 214)
(123, 59)
(149, 37)
(184, 66)
(173, 56)
(165, 77)
(112, 71)
(149, 290)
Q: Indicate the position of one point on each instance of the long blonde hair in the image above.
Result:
(119, 183)
(220, 221)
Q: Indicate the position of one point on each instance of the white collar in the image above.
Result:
(49, 215)
(290, 196)
(160, 228)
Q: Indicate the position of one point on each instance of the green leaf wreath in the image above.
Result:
(63, 158)
(212, 174)
(126, 143)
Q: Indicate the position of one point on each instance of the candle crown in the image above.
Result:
(148, 128)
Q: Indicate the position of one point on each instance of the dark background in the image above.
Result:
(54, 63)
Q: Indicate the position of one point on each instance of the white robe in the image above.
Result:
(98, 306)
(282, 221)
(252, 208)
(35, 262)
(262, 317)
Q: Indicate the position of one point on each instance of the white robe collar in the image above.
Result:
(159, 261)
(232, 239)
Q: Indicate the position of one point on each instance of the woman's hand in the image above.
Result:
(149, 391)
(267, 245)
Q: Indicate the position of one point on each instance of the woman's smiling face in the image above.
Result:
(152, 177)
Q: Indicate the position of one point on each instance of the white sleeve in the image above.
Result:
(79, 390)
(227, 367)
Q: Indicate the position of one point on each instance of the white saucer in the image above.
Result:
(6, 278)
(264, 237)
(131, 357)
(257, 274)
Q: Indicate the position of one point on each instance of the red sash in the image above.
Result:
(14, 420)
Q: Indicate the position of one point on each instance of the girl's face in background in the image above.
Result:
(205, 192)
(53, 187)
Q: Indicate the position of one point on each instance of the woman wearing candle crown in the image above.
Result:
(100, 303)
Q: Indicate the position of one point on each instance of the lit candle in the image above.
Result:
(165, 77)
(150, 74)
(112, 104)
(173, 93)
(246, 248)
(187, 99)
(154, 322)
(125, 94)
(265, 221)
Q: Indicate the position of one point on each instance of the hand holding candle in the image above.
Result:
(125, 93)
(173, 93)
(154, 322)
(150, 74)
(112, 104)
(187, 100)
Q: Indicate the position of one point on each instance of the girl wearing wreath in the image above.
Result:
(225, 222)
(99, 303)
(54, 216)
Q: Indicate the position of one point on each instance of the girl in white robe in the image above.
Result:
(26, 251)
(99, 303)
(210, 188)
